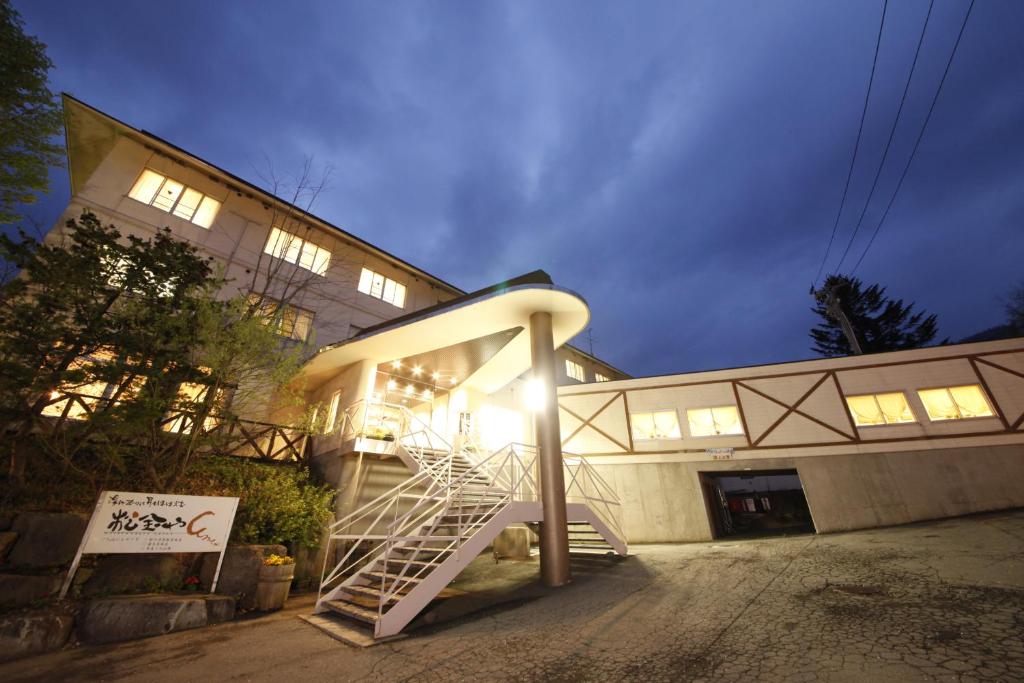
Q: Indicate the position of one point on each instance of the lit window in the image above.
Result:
(174, 197)
(289, 321)
(117, 269)
(955, 403)
(191, 396)
(715, 421)
(575, 370)
(332, 412)
(293, 249)
(89, 394)
(383, 288)
(598, 377)
(880, 409)
(659, 424)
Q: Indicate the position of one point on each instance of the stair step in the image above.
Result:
(424, 552)
(375, 593)
(583, 542)
(354, 611)
(389, 577)
(415, 563)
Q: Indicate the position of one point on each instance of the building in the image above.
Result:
(142, 183)
(448, 413)
(873, 440)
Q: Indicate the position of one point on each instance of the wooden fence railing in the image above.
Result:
(230, 435)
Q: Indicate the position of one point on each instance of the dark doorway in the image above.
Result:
(753, 504)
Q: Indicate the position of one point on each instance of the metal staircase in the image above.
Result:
(394, 555)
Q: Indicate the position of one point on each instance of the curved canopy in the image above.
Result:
(465, 319)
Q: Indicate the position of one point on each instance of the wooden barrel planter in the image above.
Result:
(274, 584)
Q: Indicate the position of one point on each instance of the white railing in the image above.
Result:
(584, 485)
(389, 536)
(471, 505)
(390, 548)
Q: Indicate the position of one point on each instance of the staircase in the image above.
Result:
(395, 554)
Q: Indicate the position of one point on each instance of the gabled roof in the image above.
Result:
(91, 134)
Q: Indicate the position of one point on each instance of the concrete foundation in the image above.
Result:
(664, 502)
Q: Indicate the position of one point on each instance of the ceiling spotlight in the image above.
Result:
(410, 390)
(455, 380)
(396, 364)
(416, 370)
(427, 393)
(392, 384)
(435, 376)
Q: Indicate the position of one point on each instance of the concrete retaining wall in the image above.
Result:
(663, 502)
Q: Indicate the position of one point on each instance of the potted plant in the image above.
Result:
(275, 581)
(380, 434)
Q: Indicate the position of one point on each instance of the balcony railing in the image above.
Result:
(227, 435)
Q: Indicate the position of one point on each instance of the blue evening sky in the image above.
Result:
(679, 164)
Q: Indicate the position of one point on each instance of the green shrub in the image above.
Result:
(277, 504)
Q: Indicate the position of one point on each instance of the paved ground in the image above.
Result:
(938, 601)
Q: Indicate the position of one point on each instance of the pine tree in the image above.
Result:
(30, 119)
(1015, 309)
(881, 323)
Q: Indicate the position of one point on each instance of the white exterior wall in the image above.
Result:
(853, 477)
(237, 238)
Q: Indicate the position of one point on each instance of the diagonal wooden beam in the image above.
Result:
(998, 366)
(991, 397)
(739, 408)
(790, 409)
(846, 408)
(589, 423)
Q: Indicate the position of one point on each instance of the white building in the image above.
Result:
(417, 375)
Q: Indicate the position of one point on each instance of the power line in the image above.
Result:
(856, 145)
(888, 144)
(917, 143)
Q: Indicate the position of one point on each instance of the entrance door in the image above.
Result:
(753, 504)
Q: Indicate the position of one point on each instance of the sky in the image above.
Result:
(678, 164)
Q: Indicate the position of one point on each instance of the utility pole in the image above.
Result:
(835, 310)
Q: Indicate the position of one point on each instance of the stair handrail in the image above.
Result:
(584, 484)
(379, 506)
(407, 528)
(480, 513)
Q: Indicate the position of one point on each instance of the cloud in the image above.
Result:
(679, 166)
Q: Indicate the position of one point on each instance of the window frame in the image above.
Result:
(569, 363)
(598, 377)
(172, 208)
(739, 421)
(331, 419)
(995, 414)
(377, 287)
(652, 412)
(875, 395)
(283, 309)
(295, 251)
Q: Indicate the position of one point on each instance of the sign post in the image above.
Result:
(126, 522)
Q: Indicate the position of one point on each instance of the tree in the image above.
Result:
(30, 118)
(1015, 309)
(880, 323)
(137, 330)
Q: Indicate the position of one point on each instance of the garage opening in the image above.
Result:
(755, 504)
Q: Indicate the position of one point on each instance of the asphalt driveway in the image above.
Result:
(934, 601)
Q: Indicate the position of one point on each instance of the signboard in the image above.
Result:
(720, 453)
(127, 522)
